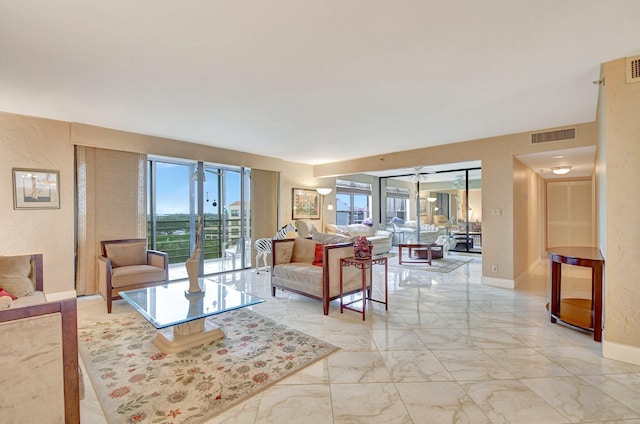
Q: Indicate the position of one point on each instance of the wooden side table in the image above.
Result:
(422, 251)
(364, 265)
(584, 314)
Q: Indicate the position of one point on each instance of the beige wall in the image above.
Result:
(617, 168)
(29, 142)
(39, 143)
(496, 155)
(527, 226)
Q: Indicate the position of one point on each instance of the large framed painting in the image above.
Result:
(36, 189)
(306, 204)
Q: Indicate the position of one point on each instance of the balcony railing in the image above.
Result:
(173, 236)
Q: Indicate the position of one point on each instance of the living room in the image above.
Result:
(513, 241)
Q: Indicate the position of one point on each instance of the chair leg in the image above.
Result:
(109, 301)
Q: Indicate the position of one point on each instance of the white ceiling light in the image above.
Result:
(561, 170)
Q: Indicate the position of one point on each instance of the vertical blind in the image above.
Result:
(111, 204)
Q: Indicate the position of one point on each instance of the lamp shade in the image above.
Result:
(324, 191)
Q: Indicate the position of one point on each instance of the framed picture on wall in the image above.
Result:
(306, 204)
(36, 189)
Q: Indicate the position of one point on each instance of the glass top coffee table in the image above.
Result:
(181, 317)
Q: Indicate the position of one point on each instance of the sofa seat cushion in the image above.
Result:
(300, 276)
(33, 298)
(136, 274)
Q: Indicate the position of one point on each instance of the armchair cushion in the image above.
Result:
(136, 274)
(126, 254)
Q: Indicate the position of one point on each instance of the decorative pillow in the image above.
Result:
(319, 255)
(303, 250)
(125, 254)
(283, 253)
(325, 238)
(3, 292)
(305, 229)
(20, 265)
(302, 227)
(312, 228)
(17, 285)
(5, 302)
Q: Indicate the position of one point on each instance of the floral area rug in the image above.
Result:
(444, 265)
(138, 384)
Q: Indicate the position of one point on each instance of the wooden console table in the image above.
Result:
(584, 314)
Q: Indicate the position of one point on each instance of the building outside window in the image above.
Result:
(353, 202)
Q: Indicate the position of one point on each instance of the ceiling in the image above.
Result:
(312, 81)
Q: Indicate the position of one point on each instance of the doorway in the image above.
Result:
(181, 191)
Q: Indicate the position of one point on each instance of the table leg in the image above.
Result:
(554, 302)
(341, 289)
(596, 296)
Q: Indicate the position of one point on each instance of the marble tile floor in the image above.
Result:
(449, 350)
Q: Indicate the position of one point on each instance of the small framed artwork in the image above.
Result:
(306, 204)
(36, 189)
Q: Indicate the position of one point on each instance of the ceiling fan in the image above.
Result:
(419, 176)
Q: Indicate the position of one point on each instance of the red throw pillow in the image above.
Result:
(317, 260)
(3, 292)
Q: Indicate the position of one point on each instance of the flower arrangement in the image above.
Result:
(368, 222)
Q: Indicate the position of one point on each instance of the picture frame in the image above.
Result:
(305, 204)
(424, 206)
(36, 188)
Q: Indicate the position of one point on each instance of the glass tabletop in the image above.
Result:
(167, 305)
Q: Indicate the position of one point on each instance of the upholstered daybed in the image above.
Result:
(293, 269)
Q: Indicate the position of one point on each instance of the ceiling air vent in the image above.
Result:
(556, 135)
(633, 69)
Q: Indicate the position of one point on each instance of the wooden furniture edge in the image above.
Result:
(68, 311)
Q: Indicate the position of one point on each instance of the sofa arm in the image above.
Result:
(104, 275)
(351, 279)
(383, 233)
(158, 259)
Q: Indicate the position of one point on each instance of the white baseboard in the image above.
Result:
(533, 265)
(621, 352)
(53, 297)
(498, 282)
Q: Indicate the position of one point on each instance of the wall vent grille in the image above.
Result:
(556, 135)
(633, 69)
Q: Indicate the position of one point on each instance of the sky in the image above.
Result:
(172, 188)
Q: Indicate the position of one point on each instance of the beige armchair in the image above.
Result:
(126, 265)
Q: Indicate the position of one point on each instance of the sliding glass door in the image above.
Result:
(179, 192)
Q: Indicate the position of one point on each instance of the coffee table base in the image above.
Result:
(184, 336)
